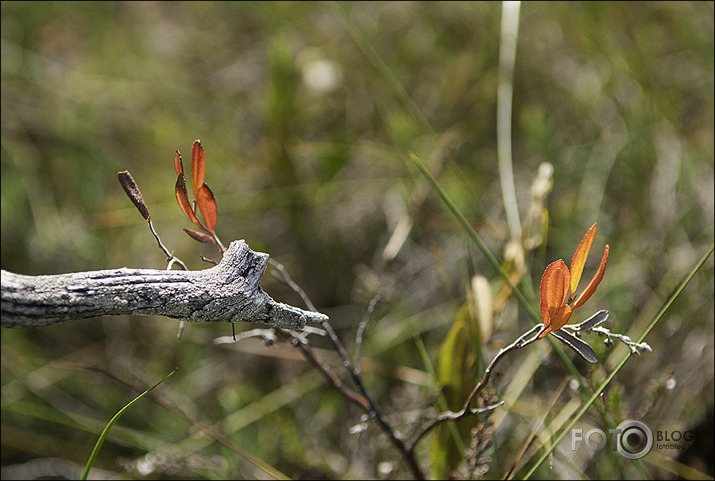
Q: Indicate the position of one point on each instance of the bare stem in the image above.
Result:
(467, 410)
(218, 242)
(170, 258)
(361, 329)
(366, 401)
(289, 280)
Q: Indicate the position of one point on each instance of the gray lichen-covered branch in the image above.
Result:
(228, 292)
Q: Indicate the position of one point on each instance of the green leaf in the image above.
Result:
(455, 363)
(105, 433)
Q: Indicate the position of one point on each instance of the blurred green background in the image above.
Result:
(307, 137)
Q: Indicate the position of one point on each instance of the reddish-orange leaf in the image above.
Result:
(207, 206)
(562, 317)
(182, 197)
(178, 165)
(198, 167)
(591, 287)
(545, 317)
(199, 236)
(579, 258)
(553, 290)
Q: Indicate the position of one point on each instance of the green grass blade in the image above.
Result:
(105, 433)
(620, 365)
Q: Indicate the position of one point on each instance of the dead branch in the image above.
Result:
(228, 292)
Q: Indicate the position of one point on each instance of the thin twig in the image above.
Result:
(170, 258)
(467, 410)
(634, 347)
(210, 261)
(218, 242)
(268, 336)
(372, 409)
(337, 383)
(289, 280)
(361, 329)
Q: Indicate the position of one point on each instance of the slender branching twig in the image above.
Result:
(365, 401)
(467, 409)
(361, 329)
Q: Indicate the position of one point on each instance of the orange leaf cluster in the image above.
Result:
(204, 198)
(558, 280)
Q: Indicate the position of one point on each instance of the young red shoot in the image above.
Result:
(557, 281)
